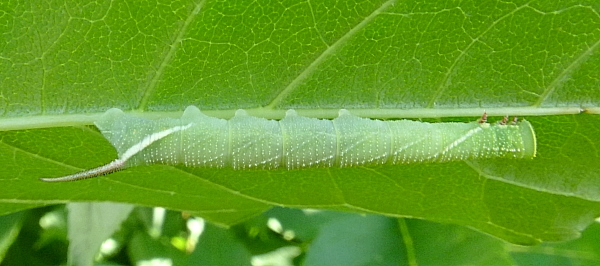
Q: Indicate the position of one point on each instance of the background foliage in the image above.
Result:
(65, 62)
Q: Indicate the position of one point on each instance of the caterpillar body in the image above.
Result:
(295, 142)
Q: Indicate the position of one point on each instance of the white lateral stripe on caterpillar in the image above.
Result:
(456, 142)
(140, 146)
(119, 163)
(246, 142)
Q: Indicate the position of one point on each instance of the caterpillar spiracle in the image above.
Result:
(295, 142)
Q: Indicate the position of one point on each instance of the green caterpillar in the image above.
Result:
(296, 142)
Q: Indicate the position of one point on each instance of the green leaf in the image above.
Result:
(10, 225)
(583, 251)
(368, 240)
(218, 246)
(90, 224)
(63, 64)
